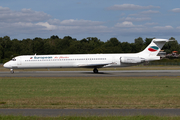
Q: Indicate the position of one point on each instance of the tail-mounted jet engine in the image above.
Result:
(132, 60)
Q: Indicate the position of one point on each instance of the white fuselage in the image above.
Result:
(65, 61)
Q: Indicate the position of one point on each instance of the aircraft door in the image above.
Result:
(19, 61)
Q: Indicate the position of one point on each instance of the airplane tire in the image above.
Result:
(11, 71)
(95, 70)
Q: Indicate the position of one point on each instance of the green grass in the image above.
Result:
(89, 118)
(91, 92)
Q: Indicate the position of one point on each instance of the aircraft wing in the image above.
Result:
(93, 65)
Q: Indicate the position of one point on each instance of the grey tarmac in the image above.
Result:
(90, 112)
(119, 73)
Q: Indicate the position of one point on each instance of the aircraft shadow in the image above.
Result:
(95, 73)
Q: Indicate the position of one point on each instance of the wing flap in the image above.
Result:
(93, 65)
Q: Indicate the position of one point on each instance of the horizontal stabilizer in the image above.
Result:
(162, 40)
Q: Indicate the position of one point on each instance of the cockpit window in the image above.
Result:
(13, 59)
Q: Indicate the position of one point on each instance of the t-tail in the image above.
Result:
(151, 51)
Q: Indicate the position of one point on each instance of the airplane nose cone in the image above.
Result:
(7, 65)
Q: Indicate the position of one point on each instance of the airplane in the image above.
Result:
(94, 61)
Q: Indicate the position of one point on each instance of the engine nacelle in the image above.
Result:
(132, 60)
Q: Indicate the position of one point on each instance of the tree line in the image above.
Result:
(68, 45)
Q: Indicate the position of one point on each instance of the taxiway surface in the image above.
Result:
(90, 112)
(121, 73)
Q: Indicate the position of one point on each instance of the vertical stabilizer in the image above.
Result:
(151, 51)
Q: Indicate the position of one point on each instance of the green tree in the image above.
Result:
(171, 46)
(148, 41)
(93, 43)
(38, 44)
(1, 49)
(47, 47)
(6, 45)
(15, 47)
(126, 47)
(138, 44)
(54, 37)
(26, 47)
(112, 46)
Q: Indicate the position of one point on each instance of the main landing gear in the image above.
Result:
(11, 71)
(95, 70)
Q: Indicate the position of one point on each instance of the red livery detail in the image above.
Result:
(151, 49)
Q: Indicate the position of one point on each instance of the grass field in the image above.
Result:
(91, 92)
(89, 118)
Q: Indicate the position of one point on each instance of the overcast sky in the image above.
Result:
(104, 19)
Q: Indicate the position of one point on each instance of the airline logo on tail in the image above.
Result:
(153, 48)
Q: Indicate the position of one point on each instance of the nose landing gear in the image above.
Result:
(11, 71)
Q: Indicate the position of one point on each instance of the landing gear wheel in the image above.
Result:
(11, 71)
(95, 70)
